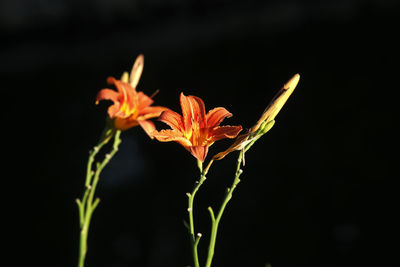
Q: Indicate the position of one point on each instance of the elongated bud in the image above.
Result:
(286, 91)
(136, 71)
(125, 77)
(277, 102)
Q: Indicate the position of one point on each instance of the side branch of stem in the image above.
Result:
(88, 204)
(216, 220)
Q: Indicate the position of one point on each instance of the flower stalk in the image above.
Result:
(263, 129)
(88, 203)
(216, 220)
(195, 238)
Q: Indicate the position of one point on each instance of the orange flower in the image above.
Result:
(195, 130)
(130, 108)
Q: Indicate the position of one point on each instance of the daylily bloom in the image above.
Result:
(266, 119)
(130, 108)
(195, 130)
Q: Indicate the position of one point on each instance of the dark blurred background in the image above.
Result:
(318, 190)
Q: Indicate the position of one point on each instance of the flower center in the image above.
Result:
(196, 135)
(129, 104)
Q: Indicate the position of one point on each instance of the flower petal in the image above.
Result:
(124, 123)
(199, 152)
(192, 110)
(136, 71)
(113, 110)
(216, 116)
(143, 100)
(148, 127)
(239, 143)
(112, 80)
(222, 132)
(127, 93)
(173, 119)
(107, 94)
(151, 112)
(172, 135)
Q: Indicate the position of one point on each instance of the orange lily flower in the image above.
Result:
(195, 130)
(130, 108)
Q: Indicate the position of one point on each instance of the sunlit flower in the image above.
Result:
(130, 108)
(266, 120)
(195, 130)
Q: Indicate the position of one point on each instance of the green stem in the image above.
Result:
(194, 238)
(88, 204)
(216, 220)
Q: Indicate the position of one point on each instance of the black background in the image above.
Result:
(318, 190)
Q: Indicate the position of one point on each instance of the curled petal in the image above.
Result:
(192, 110)
(222, 132)
(199, 152)
(112, 80)
(151, 112)
(173, 119)
(239, 143)
(216, 116)
(148, 127)
(107, 94)
(172, 135)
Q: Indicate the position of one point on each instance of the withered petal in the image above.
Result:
(222, 132)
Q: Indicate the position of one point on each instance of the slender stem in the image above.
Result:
(87, 205)
(194, 238)
(264, 128)
(216, 220)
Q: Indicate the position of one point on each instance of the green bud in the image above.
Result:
(266, 126)
(200, 165)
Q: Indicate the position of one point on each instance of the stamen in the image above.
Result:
(155, 93)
